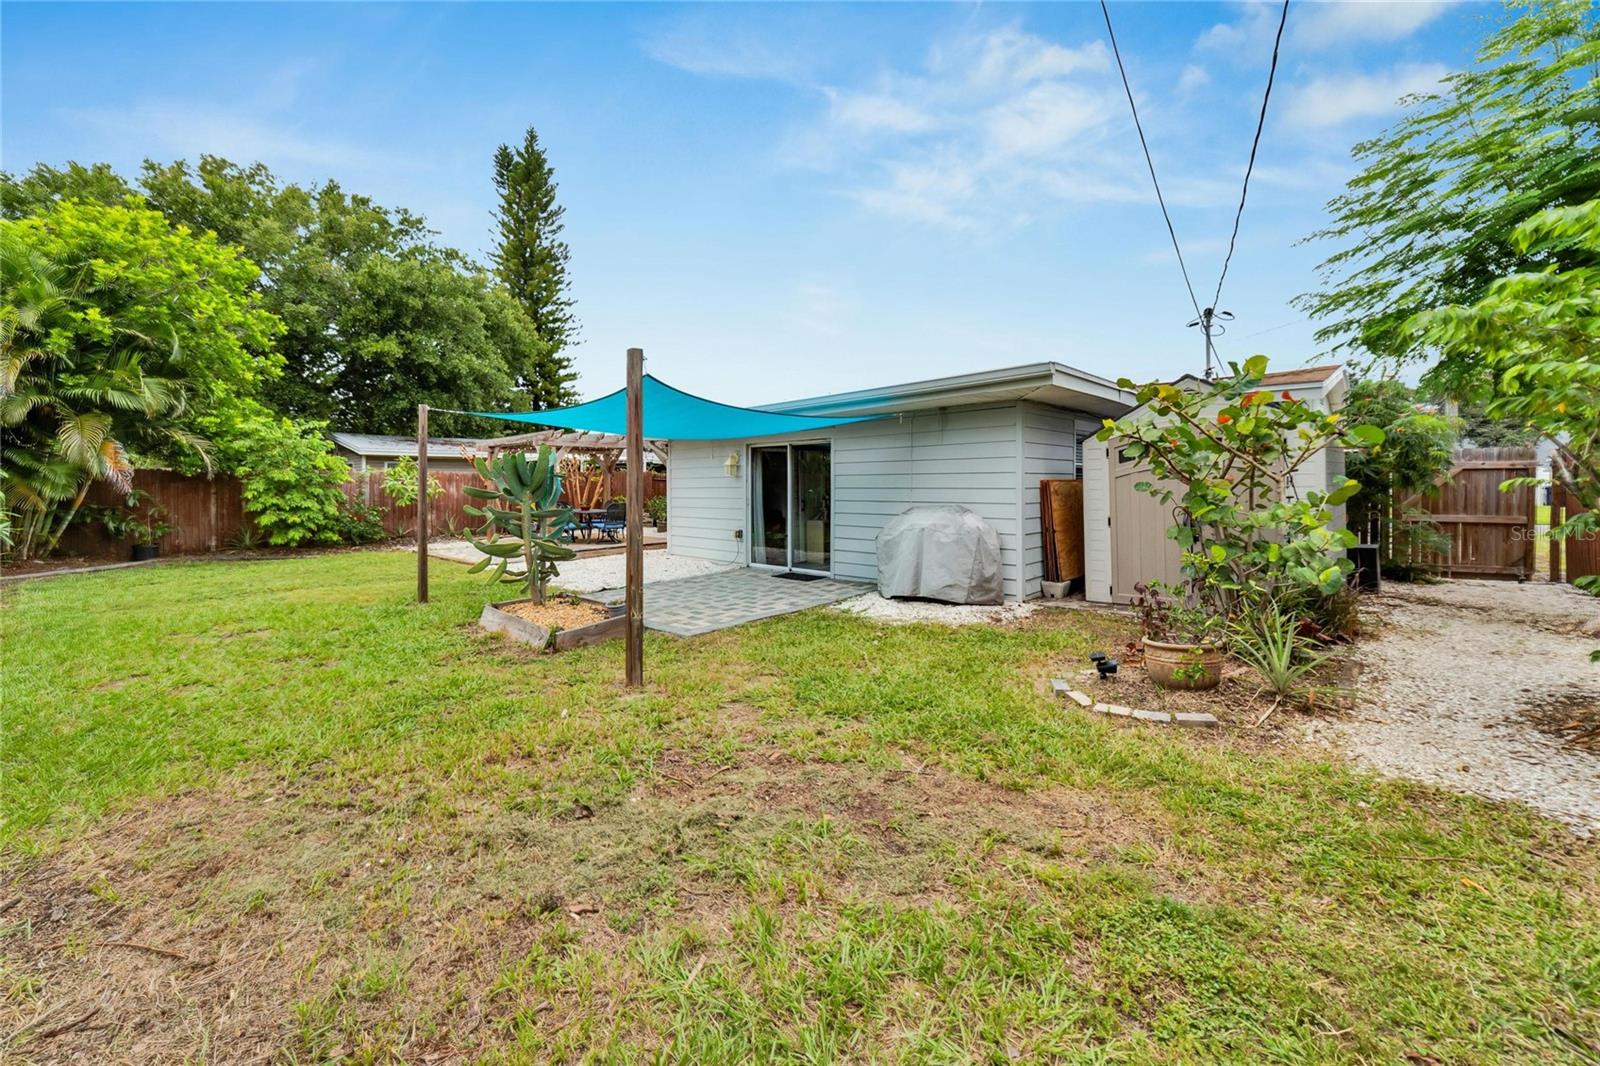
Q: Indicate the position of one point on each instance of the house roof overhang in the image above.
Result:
(1055, 384)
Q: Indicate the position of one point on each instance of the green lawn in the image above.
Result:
(364, 833)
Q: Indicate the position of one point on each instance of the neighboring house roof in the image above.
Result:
(1052, 383)
(381, 446)
(1306, 375)
(1321, 383)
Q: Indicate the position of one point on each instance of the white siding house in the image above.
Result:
(983, 441)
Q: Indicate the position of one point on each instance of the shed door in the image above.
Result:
(1140, 550)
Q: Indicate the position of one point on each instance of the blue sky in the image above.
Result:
(773, 200)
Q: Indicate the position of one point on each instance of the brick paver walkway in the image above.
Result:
(689, 606)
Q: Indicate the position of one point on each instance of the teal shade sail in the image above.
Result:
(671, 414)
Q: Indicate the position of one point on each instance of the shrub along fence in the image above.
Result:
(208, 513)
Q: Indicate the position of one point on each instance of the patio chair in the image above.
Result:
(614, 522)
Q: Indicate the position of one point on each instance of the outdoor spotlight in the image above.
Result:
(1107, 668)
(1097, 658)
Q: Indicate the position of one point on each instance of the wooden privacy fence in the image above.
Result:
(1492, 533)
(208, 513)
(1574, 557)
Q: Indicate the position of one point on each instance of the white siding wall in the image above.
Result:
(967, 456)
(704, 504)
(1049, 450)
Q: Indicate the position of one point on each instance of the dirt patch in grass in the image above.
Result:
(334, 915)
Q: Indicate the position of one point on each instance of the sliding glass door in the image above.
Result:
(791, 506)
(769, 506)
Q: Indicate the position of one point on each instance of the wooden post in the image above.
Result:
(635, 511)
(1556, 494)
(422, 503)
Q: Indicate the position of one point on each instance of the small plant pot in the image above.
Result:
(1191, 667)
(661, 525)
(145, 552)
(520, 629)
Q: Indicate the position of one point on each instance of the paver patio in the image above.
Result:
(690, 606)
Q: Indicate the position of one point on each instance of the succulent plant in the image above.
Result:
(522, 519)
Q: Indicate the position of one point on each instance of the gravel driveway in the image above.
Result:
(1459, 674)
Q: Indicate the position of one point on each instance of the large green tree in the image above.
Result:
(366, 300)
(121, 336)
(529, 256)
(1538, 333)
(1428, 220)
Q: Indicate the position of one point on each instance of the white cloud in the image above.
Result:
(989, 125)
(1256, 24)
(877, 112)
(1332, 99)
(1045, 118)
(992, 129)
(700, 48)
(1317, 24)
(1194, 77)
(1323, 24)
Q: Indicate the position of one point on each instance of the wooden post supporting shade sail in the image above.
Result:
(635, 512)
(422, 503)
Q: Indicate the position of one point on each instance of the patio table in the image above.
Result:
(586, 517)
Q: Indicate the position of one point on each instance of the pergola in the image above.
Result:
(608, 448)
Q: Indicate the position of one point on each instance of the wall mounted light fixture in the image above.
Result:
(731, 467)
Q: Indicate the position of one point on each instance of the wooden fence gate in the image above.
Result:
(1574, 557)
(1492, 533)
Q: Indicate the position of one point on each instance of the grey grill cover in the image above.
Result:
(940, 553)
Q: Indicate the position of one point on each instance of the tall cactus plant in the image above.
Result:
(522, 518)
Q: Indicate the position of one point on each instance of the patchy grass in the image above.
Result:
(274, 810)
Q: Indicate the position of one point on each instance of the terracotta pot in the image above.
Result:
(1193, 667)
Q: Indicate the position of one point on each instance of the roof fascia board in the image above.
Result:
(1029, 376)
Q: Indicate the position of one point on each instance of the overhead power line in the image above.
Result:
(1261, 121)
(1173, 233)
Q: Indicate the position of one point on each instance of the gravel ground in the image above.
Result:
(1454, 672)
(879, 609)
(595, 573)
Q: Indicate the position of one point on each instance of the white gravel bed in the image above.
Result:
(1449, 675)
(595, 572)
(879, 609)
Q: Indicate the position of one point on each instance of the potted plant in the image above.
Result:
(657, 508)
(1182, 645)
(125, 524)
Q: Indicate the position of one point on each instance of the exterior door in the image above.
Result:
(791, 507)
(1140, 549)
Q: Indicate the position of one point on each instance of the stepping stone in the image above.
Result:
(1060, 688)
(1197, 718)
(1115, 709)
(1080, 699)
(1152, 716)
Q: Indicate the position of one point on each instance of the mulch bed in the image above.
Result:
(1574, 717)
(558, 613)
(1239, 701)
